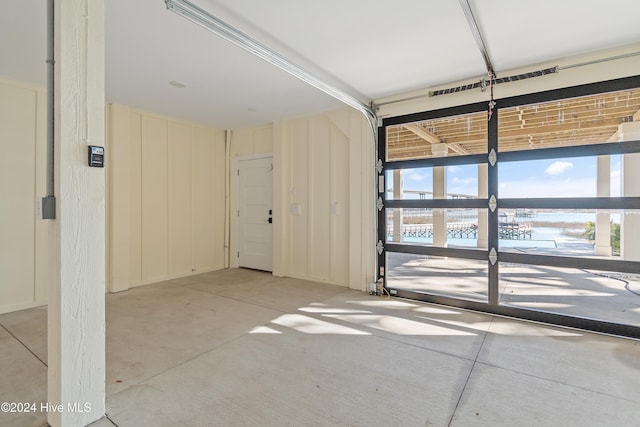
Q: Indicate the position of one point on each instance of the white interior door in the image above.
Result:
(255, 204)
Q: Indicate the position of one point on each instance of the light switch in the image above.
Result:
(335, 208)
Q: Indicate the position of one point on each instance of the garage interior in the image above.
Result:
(221, 268)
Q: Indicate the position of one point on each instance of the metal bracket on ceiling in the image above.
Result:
(475, 30)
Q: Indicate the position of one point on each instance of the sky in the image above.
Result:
(570, 177)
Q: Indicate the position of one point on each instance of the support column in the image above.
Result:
(398, 223)
(76, 314)
(603, 219)
(630, 223)
(439, 192)
(483, 193)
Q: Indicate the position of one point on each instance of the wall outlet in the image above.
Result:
(295, 209)
(38, 207)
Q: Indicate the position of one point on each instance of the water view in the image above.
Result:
(518, 229)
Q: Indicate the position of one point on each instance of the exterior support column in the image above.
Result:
(603, 219)
(483, 193)
(439, 192)
(76, 314)
(398, 222)
(630, 221)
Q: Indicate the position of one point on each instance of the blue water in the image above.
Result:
(473, 242)
(581, 217)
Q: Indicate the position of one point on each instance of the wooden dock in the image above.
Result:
(514, 231)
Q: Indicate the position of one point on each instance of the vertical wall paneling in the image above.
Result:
(298, 188)
(340, 245)
(41, 264)
(364, 183)
(324, 190)
(263, 140)
(154, 199)
(320, 172)
(280, 219)
(18, 114)
(218, 173)
(202, 203)
(359, 187)
(179, 199)
(175, 193)
(320, 190)
(247, 142)
(135, 199)
(119, 199)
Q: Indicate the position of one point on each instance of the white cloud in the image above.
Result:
(464, 181)
(415, 176)
(453, 169)
(557, 168)
(585, 187)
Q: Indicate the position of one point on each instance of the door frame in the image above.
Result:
(235, 261)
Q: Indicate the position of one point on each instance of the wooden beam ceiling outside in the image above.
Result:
(433, 139)
(579, 121)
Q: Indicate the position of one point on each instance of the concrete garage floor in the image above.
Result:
(243, 348)
(612, 297)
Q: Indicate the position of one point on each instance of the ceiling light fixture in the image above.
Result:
(211, 23)
(177, 84)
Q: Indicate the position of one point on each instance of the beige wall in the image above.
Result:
(166, 205)
(323, 170)
(326, 190)
(166, 182)
(23, 237)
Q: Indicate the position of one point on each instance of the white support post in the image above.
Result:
(630, 224)
(76, 314)
(398, 220)
(439, 192)
(483, 214)
(603, 219)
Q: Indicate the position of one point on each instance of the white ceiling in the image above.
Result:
(369, 48)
